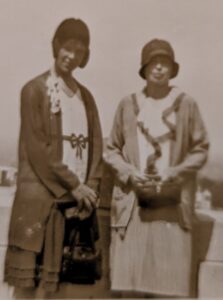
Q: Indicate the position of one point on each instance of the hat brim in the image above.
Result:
(156, 53)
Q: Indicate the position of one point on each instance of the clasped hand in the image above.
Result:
(86, 197)
(140, 182)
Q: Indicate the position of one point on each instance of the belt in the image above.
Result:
(79, 142)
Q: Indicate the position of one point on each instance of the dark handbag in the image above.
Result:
(157, 194)
(82, 262)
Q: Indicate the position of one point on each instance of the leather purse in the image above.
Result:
(82, 262)
(157, 194)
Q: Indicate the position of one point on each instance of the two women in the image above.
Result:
(60, 151)
(158, 135)
(157, 144)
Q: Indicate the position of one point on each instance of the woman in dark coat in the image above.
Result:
(60, 150)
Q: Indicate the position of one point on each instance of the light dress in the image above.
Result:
(155, 255)
(74, 123)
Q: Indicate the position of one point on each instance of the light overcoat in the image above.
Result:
(188, 153)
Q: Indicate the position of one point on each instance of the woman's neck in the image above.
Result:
(68, 79)
(65, 76)
(157, 92)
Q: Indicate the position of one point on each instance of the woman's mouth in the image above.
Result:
(158, 75)
(66, 64)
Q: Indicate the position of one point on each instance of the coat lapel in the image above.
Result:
(179, 146)
(131, 149)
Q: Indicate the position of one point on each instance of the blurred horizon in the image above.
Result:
(212, 169)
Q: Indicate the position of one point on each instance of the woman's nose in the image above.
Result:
(71, 54)
(159, 66)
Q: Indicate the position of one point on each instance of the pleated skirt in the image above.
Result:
(28, 269)
(154, 256)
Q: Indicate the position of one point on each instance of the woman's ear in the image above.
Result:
(85, 59)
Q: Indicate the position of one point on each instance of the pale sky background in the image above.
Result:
(119, 29)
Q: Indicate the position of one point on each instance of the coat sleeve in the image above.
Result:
(194, 160)
(199, 143)
(52, 173)
(113, 155)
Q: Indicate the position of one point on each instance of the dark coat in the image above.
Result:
(42, 177)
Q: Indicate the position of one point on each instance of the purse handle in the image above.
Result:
(75, 237)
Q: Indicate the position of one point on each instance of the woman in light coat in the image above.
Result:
(157, 131)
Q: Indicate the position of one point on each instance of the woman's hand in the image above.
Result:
(171, 174)
(85, 197)
(137, 180)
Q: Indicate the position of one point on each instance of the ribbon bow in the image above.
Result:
(79, 142)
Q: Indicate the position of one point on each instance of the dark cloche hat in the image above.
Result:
(157, 47)
(72, 29)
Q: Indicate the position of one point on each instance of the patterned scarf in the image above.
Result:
(155, 141)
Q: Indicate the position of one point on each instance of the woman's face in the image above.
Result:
(69, 56)
(159, 70)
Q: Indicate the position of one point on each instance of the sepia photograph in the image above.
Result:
(111, 156)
